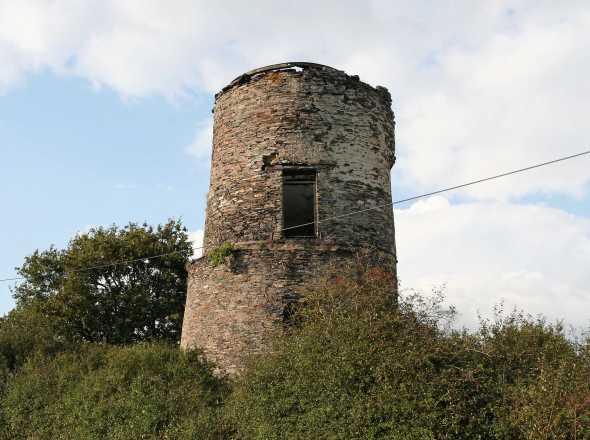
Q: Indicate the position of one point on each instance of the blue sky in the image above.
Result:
(75, 157)
(105, 117)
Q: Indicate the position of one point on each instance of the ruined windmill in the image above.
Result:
(293, 144)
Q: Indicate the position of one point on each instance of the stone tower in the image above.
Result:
(293, 144)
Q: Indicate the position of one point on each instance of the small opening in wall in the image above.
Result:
(299, 202)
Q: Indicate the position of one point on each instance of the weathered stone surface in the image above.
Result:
(290, 115)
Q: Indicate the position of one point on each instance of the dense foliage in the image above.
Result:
(357, 367)
(90, 299)
(356, 363)
(101, 392)
(25, 331)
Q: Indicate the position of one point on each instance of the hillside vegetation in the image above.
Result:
(94, 355)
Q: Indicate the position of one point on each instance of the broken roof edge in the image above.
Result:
(281, 66)
(245, 77)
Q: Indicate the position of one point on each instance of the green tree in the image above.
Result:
(88, 298)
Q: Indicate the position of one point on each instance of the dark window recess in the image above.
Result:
(299, 203)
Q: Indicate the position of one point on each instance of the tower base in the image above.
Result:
(232, 307)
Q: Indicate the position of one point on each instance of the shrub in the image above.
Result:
(356, 363)
(102, 392)
(25, 331)
(360, 366)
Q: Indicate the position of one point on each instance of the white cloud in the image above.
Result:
(196, 238)
(532, 257)
(478, 88)
(512, 102)
(200, 147)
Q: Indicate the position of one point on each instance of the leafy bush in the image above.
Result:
(25, 331)
(359, 367)
(102, 392)
(356, 363)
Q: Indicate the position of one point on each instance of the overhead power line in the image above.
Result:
(348, 214)
(117, 263)
(443, 190)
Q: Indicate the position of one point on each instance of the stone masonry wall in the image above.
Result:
(290, 115)
(317, 117)
(232, 307)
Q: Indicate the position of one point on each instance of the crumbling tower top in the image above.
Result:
(291, 65)
(275, 120)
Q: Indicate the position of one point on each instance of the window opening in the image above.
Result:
(299, 188)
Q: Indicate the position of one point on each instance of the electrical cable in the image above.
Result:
(450, 188)
(396, 202)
